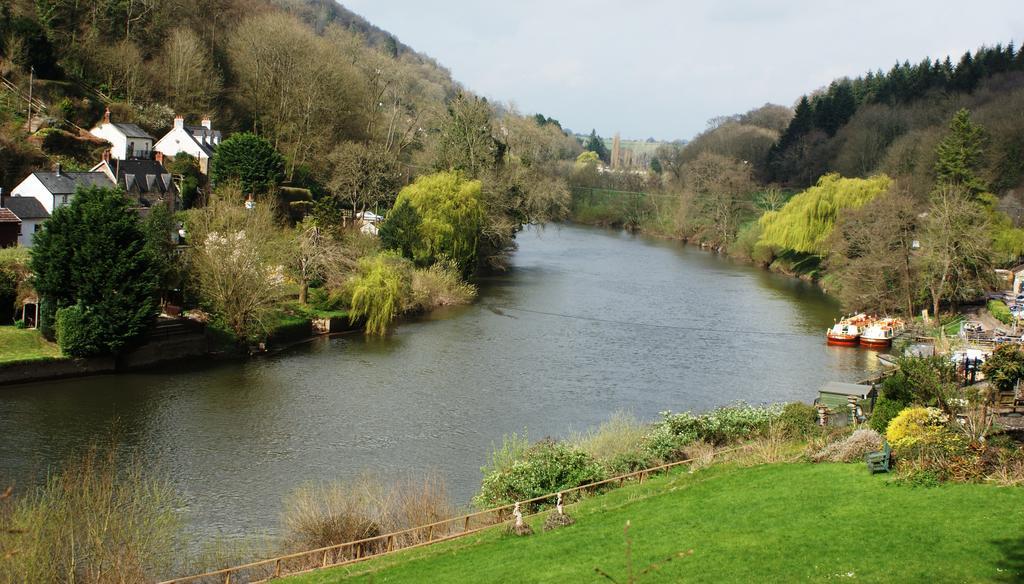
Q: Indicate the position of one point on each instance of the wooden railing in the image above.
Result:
(414, 537)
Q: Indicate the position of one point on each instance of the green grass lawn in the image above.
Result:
(778, 523)
(24, 345)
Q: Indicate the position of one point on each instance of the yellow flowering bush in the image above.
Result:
(917, 428)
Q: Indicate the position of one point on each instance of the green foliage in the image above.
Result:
(959, 155)
(721, 425)
(379, 291)
(78, 332)
(249, 159)
(465, 143)
(158, 227)
(885, 410)
(596, 145)
(401, 230)
(544, 468)
(451, 217)
(188, 167)
(798, 419)
(806, 221)
(93, 253)
(922, 380)
(999, 311)
(1004, 368)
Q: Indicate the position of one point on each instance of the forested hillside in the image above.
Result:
(347, 104)
(891, 121)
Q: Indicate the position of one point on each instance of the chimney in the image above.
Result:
(106, 155)
(179, 122)
(106, 116)
(159, 157)
(206, 123)
(58, 168)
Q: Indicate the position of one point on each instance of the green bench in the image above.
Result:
(879, 461)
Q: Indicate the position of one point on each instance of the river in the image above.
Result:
(585, 323)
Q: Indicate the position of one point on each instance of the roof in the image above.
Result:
(7, 216)
(840, 388)
(67, 183)
(132, 131)
(144, 176)
(26, 207)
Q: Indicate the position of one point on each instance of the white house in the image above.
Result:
(196, 141)
(128, 140)
(31, 213)
(54, 189)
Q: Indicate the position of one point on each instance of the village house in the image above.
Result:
(196, 141)
(127, 141)
(55, 189)
(10, 228)
(146, 182)
(31, 215)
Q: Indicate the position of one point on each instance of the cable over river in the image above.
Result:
(585, 323)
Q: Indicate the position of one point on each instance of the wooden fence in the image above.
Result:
(413, 537)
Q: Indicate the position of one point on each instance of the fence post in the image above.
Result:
(277, 568)
(227, 578)
(323, 562)
(430, 532)
(466, 526)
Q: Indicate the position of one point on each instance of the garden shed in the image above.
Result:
(838, 402)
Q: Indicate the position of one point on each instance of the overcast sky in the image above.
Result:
(662, 68)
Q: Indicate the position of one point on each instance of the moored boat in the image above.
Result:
(880, 333)
(847, 331)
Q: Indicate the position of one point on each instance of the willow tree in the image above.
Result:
(379, 290)
(451, 218)
(805, 223)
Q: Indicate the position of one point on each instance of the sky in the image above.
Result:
(662, 68)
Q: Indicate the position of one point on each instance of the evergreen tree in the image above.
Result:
(91, 260)
(959, 154)
(249, 159)
(401, 230)
(596, 145)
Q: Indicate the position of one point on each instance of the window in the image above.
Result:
(37, 227)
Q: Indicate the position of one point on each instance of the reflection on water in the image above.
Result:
(585, 323)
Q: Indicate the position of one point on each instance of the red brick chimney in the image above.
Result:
(106, 116)
(159, 157)
(106, 155)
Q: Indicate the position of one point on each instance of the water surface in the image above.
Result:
(586, 322)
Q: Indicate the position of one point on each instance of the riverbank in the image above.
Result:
(731, 523)
(172, 341)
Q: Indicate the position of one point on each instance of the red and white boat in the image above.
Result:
(847, 331)
(880, 333)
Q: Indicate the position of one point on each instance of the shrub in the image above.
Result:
(619, 444)
(921, 431)
(1005, 367)
(798, 419)
(722, 425)
(77, 333)
(663, 444)
(545, 468)
(96, 521)
(439, 285)
(850, 449)
(319, 515)
(885, 410)
(999, 310)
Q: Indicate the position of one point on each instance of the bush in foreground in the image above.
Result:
(545, 468)
(91, 523)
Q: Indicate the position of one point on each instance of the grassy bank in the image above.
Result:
(781, 522)
(25, 345)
